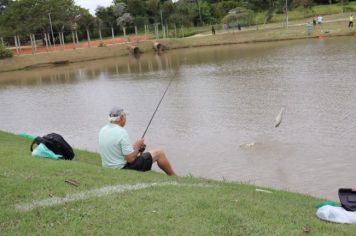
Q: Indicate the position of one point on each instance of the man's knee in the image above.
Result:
(157, 153)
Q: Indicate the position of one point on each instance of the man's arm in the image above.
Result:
(133, 155)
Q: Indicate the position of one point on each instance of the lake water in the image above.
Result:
(217, 118)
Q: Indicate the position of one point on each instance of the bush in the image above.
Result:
(230, 18)
(4, 52)
(239, 15)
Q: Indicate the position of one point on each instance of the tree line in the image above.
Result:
(24, 17)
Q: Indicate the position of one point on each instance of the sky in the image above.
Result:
(92, 4)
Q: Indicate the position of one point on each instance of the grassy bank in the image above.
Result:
(335, 25)
(174, 206)
(324, 10)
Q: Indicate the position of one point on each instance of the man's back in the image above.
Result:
(114, 145)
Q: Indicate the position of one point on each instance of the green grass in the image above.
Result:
(334, 8)
(182, 32)
(300, 13)
(186, 32)
(259, 17)
(222, 208)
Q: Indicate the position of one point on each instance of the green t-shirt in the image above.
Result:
(114, 145)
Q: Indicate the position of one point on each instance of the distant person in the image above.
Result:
(213, 30)
(320, 20)
(309, 28)
(314, 20)
(238, 26)
(116, 151)
(351, 21)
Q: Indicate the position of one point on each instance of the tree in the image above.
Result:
(25, 16)
(3, 5)
(153, 10)
(107, 15)
(62, 13)
(181, 15)
(186, 13)
(119, 9)
(221, 8)
(304, 3)
(167, 10)
(236, 16)
(120, 1)
(136, 7)
(205, 11)
(17, 18)
(86, 19)
(260, 5)
(125, 20)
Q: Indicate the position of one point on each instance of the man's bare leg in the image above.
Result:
(162, 161)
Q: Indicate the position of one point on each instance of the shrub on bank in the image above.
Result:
(4, 52)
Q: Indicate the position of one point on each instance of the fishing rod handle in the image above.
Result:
(142, 148)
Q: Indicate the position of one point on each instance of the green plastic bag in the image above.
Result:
(29, 136)
(325, 203)
(42, 151)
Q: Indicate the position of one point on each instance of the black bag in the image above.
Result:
(56, 144)
(347, 198)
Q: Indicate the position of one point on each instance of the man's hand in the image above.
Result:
(139, 143)
(142, 148)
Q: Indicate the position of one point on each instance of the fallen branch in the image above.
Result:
(72, 182)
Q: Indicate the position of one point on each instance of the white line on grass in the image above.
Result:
(95, 193)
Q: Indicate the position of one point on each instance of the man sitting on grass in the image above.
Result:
(116, 150)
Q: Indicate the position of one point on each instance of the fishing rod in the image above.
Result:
(142, 149)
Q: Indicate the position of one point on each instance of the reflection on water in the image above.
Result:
(217, 119)
(88, 71)
(110, 68)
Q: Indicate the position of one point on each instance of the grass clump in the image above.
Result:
(191, 206)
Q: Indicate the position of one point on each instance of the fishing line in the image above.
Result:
(154, 113)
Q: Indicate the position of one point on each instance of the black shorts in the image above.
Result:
(142, 163)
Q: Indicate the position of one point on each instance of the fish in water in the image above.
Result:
(279, 117)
